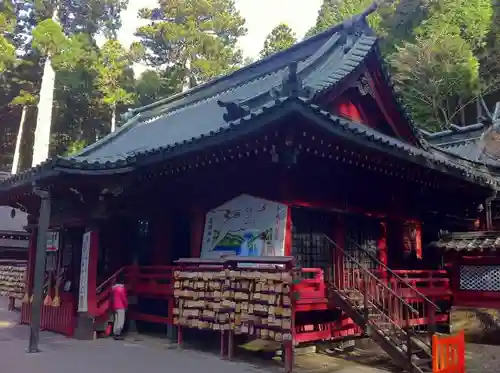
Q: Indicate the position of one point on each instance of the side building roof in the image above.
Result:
(461, 141)
(289, 81)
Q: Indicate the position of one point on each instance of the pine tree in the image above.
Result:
(280, 38)
(196, 36)
(334, 12)
(112, 67)
(7, 26)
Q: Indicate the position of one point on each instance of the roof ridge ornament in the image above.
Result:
(491, 118)
(234, 110)
(356, 26)
(363, 85)
(292, 85)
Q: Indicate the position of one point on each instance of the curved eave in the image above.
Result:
(257, 120)
(486, 166)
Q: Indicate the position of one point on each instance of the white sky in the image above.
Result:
(261, 17)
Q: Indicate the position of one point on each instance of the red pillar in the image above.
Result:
(338, 257)
(288, 232)
(418, 239)
(382, 249)
(197, 226)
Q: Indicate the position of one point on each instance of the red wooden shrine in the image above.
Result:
(316, 128)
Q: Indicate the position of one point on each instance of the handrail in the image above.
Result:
(404, 302)
(113, 276)
(374, 258)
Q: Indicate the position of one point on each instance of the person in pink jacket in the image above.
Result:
(119, 303)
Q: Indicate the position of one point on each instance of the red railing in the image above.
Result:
(311, 290)
(103, 292)
(60, 319)
(431, 283)
(381, 303)
(151, 282)
(425, 308)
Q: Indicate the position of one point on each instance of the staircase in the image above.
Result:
(372, 296)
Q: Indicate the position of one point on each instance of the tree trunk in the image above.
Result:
(17, 151)
(44, 115)
(113, 118)
(186, 84)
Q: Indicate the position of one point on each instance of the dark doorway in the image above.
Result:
(309, 230)
(181, 235)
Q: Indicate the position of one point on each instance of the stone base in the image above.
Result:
(172, 332)
(480, 325)
(85, 328)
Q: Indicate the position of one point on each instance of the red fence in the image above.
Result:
(448, 354)
(60, 319)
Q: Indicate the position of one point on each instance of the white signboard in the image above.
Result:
(52, 241)
(246, 226)
(84, 274)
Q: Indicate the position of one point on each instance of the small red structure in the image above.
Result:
(448, 354)
(472, 259)
(308, 153)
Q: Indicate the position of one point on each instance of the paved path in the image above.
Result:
(64, 355)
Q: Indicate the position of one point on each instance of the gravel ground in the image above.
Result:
(479, 358)
(482, 358)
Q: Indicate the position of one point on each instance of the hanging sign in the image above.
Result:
(52, 241)
(84, 274)
(245, 226)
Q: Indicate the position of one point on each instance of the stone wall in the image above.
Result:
(480, 325)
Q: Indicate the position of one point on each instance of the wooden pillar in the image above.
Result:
(30, 268)
(197, 226)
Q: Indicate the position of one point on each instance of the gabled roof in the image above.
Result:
(479, 142)
(241, 102)
(462, 141)
(322, 61)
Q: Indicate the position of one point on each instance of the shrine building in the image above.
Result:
(309, 153)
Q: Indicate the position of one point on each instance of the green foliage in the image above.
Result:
(48, 37)
(7, 24)
(433, 47)
(280, 38)
(437, 77)
(197, 36)
(112, 66)
(471, 20)
(153, 85)
(24, 98)
(75, 147)
(334, 12)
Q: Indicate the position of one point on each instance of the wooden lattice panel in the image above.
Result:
(480, 277)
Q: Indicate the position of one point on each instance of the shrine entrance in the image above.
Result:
(309, 228)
